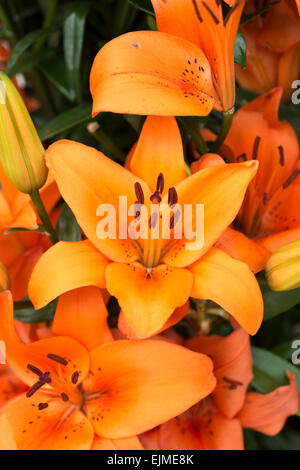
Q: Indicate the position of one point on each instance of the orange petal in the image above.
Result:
(58, 427)
(231, 284)
(98, 180)
(276, 240)
(21, 270)
(10, 385)
(60, 269)
(159, 150)
(221, 190)
(240, 247)
(147, 73)
(142, 384)
(177, 315)
(81, 314)
(206, 161)
(232, 360)
(19, 355)
(268, 413)
(131, 443)
(148, 298)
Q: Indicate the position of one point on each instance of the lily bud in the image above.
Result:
(21, 151)
(283, 267)
(4, 278)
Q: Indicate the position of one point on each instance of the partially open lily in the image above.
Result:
(144, 275)
(79, 392)
(216, 422)
(269, 216)
(186, 68)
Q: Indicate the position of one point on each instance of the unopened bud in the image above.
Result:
(283, 267)
(21, 151)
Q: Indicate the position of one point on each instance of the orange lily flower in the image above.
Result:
(186, 68)
(144, 275)
(79, 392)
(20, 251)
(216, 422)
(269, 216)
(273, 48)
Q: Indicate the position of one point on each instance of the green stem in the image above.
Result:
(39, 205)
(105, 141)
(226, 124)
(22, 305)
(40, 87)
(194, 132)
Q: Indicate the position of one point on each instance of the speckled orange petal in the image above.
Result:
(98, 180)
(131, 443)
(159, 150)
(10, 385)
(240, 247)
(81, 314)
(154, 380)
(214, 276)
(148, 298)
(61, 426)
(19, 355)
(268, 413)
(60, 269)
(232, 360)
(149, 73)
(221, 189)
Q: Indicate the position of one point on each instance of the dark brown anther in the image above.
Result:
(58, 359)
(45, 378)
(153, 220)
(155, 197)
(43, 406)
(174, 219)
(281, 155)
(35, 370)
(291, 178)
(139, 193)
(172, 197)
(241, 158)
(233, 384)
(231, 11)
(265, 199)
(255, 147)
(194, 2)
(64, 397)
(34, 388)
(75, 377)
(216, 20)
(160, 183)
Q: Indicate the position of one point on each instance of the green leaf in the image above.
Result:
(240, 50)
(270, 371)
(66, 120)
(22, 46)
(55, 70)
(73, 33)
(278, 302)
(29, 315)
(143, 5)
(67, 228)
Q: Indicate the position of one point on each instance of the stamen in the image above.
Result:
(233, 384)
(155, 197)
(34, 369)
(75, 377)
(281, 155)
(139, 193)
(174, 219)
(172, 197)
(194, 2)
(255, 147)
(153, 220)
(45, 378)
(216, 20)
(64, 396)
(241, 158)
(59, 359)
(265, 199)
(231, 11)
(160, 183)
(34, 388)
(43, 406)
(291, 178)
